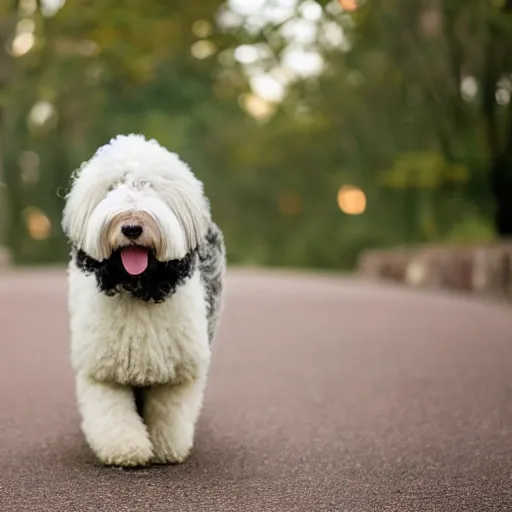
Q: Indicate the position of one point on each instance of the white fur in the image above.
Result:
(119, 342)
(141, 176)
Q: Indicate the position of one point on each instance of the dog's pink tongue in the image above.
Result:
(135, 260)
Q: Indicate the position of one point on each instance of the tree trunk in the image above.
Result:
(8, 20)
(499, 140)
(501, 183)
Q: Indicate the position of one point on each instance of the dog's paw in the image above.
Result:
(173, 448)
(129, 449)
(170, 456)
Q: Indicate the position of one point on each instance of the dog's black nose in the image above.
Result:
(131, 232)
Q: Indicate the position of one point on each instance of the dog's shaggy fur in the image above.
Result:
(145, 295)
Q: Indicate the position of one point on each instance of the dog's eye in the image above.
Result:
(113, 186)
(142, 184)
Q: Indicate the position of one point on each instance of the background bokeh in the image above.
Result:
(320, 128)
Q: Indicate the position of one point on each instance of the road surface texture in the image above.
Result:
(326, 394)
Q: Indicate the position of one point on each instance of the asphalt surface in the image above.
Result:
(325, 394)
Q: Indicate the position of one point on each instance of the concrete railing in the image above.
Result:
(481, 269)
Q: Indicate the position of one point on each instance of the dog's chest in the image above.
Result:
(139, 351)
(136, 343)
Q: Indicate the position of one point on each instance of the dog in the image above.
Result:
(145, 289)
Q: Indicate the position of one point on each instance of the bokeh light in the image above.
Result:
(203, 49)
(348, 5)
(22, 44)
(38, 224)
(351, 200)
(257, 107)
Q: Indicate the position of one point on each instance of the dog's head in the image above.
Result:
(136, 203)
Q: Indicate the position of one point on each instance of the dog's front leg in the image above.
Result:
(171, 412)
(111, 425)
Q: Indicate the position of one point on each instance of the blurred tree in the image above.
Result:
(455, 63)
(8, 21)
(87, 73)
(276, 109)
(497, 111)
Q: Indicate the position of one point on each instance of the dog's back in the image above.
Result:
(212, 264)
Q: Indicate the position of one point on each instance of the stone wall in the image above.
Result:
(481, 269)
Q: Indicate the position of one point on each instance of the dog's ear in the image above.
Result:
(85, 192)
(70, 224)
(186, 199)
(89, 185)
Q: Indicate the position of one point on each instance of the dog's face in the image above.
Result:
(136, 203)
(134, 220)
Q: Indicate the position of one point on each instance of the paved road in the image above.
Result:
(325, 395)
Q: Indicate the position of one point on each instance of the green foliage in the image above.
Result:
(399, 108)
(423, 170)
(472, 229)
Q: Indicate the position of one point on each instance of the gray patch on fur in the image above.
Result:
(212, 266)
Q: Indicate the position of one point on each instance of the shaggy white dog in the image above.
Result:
(145, 287)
